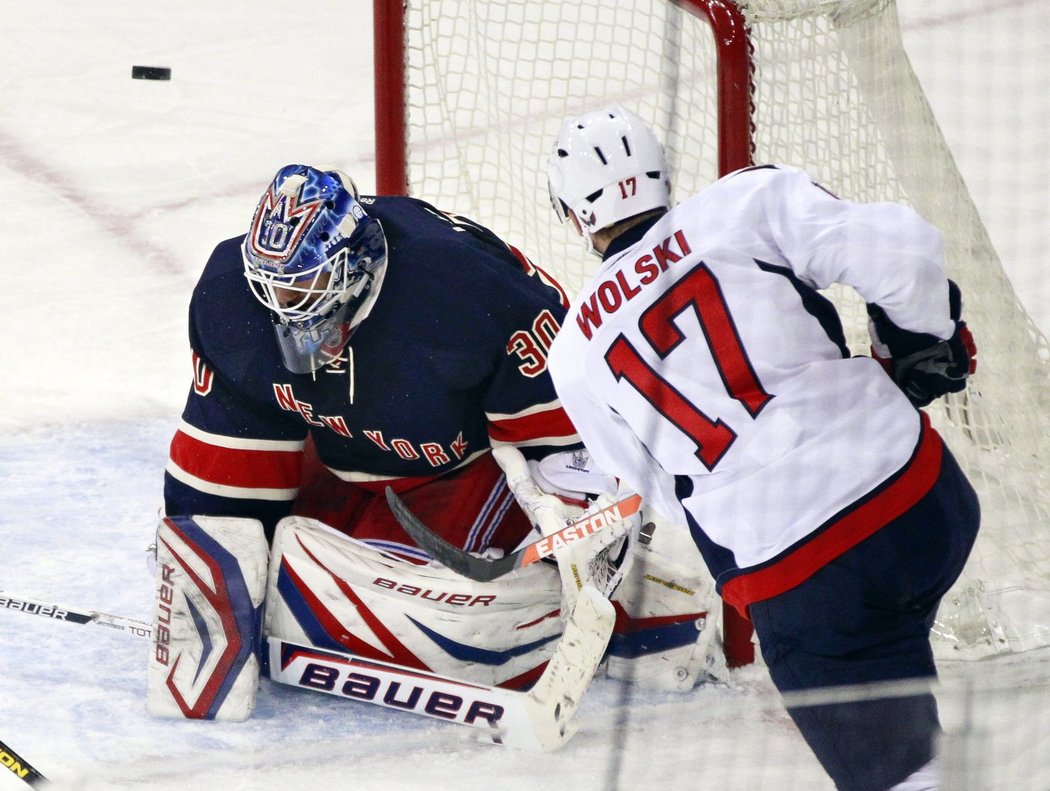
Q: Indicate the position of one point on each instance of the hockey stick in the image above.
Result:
(20, 767)
(537, 719)
(57, 612)
(485, 570)
(540, 719)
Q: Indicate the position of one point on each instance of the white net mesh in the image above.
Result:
(488, 84)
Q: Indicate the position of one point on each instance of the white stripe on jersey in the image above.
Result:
(354, 476)
(224, 490)
(240, 443)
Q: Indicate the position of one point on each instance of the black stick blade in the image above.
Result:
(448, 555)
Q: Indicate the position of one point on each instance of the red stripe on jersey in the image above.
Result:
(526, 265)
(252, 469)
(492, 512)
(916, 479)
(527, 429)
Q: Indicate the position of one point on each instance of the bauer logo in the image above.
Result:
(399, 695)
(466, 706)
(46, 610)
(162, 621)
(459, 599)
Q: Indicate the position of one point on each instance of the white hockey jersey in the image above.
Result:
(702, 366)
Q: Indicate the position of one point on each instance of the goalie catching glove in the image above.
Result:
(601, 559)
(924, 366)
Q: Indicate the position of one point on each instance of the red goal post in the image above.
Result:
(470, 94)
(390, 47)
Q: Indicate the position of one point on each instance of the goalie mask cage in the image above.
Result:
(470, 95)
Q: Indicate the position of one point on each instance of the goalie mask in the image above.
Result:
(606, 166)
(316, 260)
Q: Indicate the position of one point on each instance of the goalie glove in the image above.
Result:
(570, 475)
(601, 559)
(924, 366)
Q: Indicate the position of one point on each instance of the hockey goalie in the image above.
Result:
(346, 344)
(329, 594)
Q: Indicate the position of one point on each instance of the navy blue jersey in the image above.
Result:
(451, 361)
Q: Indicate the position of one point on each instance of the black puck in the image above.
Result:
(150, 73)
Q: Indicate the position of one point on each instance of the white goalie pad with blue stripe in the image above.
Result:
(210, 585)
(333, 592)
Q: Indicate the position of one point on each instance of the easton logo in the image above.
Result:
(578, 531)
(10, 762)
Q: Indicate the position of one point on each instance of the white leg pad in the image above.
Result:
(210, 586)
(669, 596)
(330, 591)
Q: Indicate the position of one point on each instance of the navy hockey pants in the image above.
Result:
(865, 618)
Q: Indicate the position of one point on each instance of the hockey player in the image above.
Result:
(400, 342)
(346, 344)
(702, 367)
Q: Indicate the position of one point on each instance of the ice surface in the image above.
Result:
(113, 192)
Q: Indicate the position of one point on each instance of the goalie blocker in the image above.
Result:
(210, 585)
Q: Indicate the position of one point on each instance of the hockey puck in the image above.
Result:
(150, 73)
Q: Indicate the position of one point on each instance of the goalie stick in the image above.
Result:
(540, 719)
(484, 569)
(20, 767)
(58, 612)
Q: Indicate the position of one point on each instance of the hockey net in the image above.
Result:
(827, 86)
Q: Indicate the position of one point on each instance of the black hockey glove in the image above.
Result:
(924, 366)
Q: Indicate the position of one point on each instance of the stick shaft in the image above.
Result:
(58, 612)
(20, 767)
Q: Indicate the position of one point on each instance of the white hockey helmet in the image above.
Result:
(607, 165)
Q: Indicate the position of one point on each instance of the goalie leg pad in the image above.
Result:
(210, 586)
(668, 626)
(333, 592)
